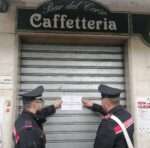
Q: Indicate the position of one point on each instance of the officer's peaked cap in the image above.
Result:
(109, 92)
(33, 94)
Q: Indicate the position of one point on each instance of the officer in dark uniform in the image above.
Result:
(28, 131)
(109, 134)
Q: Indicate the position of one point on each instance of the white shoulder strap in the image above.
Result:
(126, 135)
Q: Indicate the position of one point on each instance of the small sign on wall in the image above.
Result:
(1, 119)
(143, 115)
(6, 82)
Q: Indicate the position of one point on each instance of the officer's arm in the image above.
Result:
(30, 138)
(105, 136)
(94, 107)
(98, 108)
(45, 112)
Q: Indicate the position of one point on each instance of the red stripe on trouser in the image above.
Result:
(16, 135)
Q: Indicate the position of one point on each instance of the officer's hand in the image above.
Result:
(87, 103)
(57, 103)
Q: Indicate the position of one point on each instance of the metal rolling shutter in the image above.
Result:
(71, 70)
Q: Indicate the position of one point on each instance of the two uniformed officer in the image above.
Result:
(28, 131)
(109, 133)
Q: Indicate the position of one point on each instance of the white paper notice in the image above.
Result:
(71, 103)
(143, 114)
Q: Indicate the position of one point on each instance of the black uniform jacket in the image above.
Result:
(28, 131)
(109, 134)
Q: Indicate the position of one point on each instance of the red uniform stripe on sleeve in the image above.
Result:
(127, 124)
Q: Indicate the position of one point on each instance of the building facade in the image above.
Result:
(71, 54)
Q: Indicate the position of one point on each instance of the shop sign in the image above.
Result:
(73, 15)
(84, 16)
